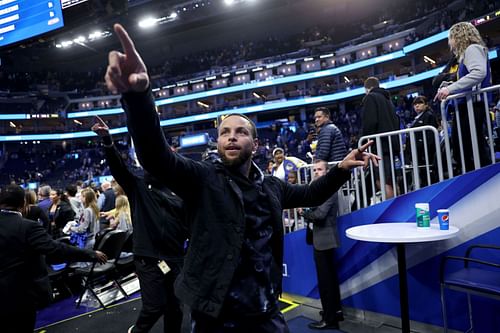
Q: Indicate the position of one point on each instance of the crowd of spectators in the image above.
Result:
(309, 42)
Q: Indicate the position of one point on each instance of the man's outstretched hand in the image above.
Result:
(100, 128)
(126, 71)
(359, 157)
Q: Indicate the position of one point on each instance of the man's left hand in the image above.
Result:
(359, 157)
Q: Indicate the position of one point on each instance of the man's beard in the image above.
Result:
(236, 162)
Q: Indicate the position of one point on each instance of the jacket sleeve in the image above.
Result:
(40, 241)
(178, 173)
(320, 213)
(118, 169)
(84, 222)
(323, 146)
(315, 193)
(65, 214)
(369, 116)
(475, 59)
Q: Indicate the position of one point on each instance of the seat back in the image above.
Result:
(112, 243)
(128, 245)
(100, 235)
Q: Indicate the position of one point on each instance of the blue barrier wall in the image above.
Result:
(368, 271)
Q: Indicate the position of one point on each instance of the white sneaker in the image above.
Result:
(130, 329)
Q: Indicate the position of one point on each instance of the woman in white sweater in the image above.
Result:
(88, 223)
(473, 73)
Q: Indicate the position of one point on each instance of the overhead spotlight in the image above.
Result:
(79, 39)
(66, 43)
(229, 2)
(95, 35)
(173, 15)
(147, 22)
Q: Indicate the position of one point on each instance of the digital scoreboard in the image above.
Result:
(23, 19)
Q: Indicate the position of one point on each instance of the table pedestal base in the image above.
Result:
(403, 288)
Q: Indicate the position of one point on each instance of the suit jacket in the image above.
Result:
(63, 214)
(24, 282)
(324, 220)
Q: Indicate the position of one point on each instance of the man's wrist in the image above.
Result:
(107, 141)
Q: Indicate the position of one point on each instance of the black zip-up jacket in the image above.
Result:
(158, 216)
(379, 116)
(214, 207)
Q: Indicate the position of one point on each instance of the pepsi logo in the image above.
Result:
(444, 217)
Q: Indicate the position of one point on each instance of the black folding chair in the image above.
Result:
(111, 244)
(476, 277)
(123, 263)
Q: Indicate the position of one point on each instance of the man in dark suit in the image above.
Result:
(24, 284)
(325, 240)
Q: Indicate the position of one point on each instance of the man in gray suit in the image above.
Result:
(325, 240)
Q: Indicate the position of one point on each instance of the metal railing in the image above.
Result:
(405, 166)
(413, 165)
(482, 96)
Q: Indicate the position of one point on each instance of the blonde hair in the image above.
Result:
(122, 206)
(464, 34)
(90, 200)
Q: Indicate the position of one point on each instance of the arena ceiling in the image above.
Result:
(200, 24)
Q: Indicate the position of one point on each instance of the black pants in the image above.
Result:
(328, 284)
(202, 323)
(479, 119)
(158, 299)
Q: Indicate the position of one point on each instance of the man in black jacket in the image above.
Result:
(378, 116)
(232, 273)
(331, 146)
(158, 239)
(24, 283)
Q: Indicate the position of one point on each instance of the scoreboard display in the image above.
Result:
(23, 19)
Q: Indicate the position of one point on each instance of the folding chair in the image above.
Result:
(477, 277)
(111, 244)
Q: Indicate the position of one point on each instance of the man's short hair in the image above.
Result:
(317, 160)
(71, 189)
(253, 128)
(372, 82)
(12, 196)
(325, 111)
(44, 190)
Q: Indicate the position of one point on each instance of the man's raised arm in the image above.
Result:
(127, 74)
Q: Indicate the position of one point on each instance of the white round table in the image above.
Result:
(400, 234)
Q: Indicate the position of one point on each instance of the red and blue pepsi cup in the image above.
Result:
(444, 219)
